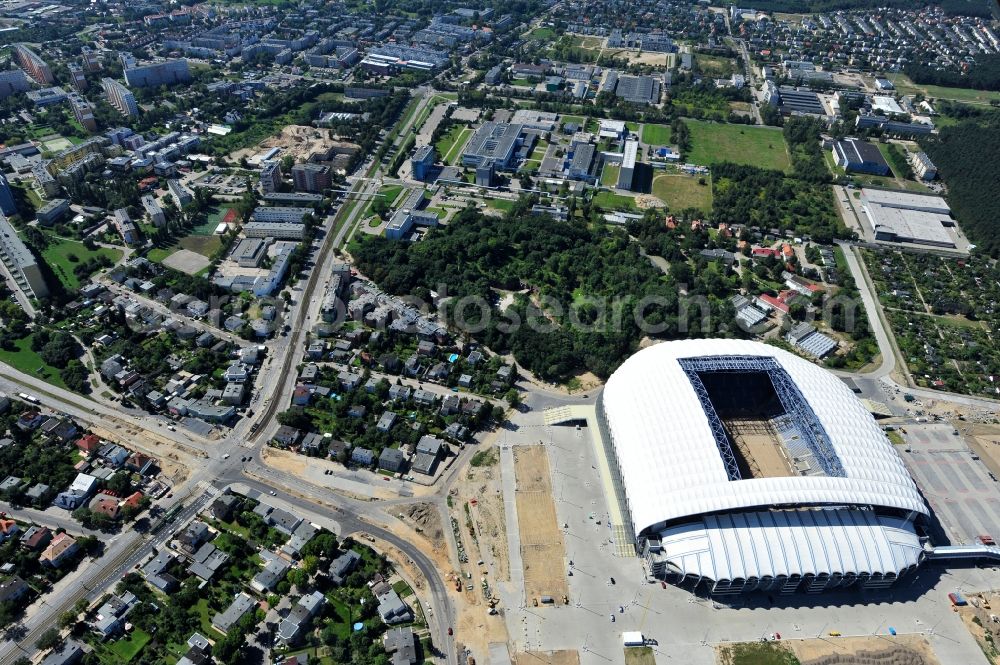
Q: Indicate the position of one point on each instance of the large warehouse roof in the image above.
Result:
(670, 461)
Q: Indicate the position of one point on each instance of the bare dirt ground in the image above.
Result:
(644, 201)
(427, 518)
(312, 468)
(481, 484)
(547, 658)
(174, 462)
(915, 648)
(186, 261)
(985, 442)
(298, 141)
(542, 550)
(760, 447)
(985, 631)
(640, 57)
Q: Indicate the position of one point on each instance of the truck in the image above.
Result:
(633, 638)
(956, 599)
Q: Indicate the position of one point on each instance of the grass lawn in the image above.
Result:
(612, 201)
(578, 119)
(450, 145)
(742, 144)
(656, 134)
(342, 623)
(402, 589)
(714, 65)
(157, 254)
(29, 362)
(127, 648)
(683, 191)
(204, 245)
(60, 257)
(907, 87)
(609, 176)
(639, 656)
(542, 33)
(205, 613)
(758, 653)
(500, 204)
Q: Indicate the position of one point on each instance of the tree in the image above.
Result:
(48, 639)
(513, 397)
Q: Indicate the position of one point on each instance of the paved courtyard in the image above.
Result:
(687, 626)
(956, 485)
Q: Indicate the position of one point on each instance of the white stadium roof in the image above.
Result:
(672, 469)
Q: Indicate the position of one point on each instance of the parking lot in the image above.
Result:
(955, 483)
(687, 626)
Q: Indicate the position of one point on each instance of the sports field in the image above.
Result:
(713, 142)
(656, 134)
(683, 191)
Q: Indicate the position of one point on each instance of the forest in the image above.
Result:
(573, 289)
(769, 199)
(966, 157)
(983, 75)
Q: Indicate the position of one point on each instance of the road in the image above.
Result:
(216, 465)
(162, 309)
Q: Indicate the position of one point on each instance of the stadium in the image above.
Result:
(740, 467)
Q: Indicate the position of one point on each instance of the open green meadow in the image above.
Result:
(683, 191)
(713, 142)
(64, 255)
(907, 87)
(656, 134)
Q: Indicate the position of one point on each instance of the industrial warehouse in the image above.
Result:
(738, 466)
(909, 218)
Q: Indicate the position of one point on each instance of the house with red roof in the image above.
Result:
(764, 252)
(8, 529)
(88, 444)
(62, 547)
(104, 504)
(769, 302)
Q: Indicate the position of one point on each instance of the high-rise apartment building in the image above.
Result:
(120, 97)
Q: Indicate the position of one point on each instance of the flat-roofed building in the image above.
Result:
(32, 64)
(301, 199)
(638, 89)
(922, 165)
(857, 156)
(270, 177)
(181, 195)
(908, 218)
(153, 209)
(152, 75)
(626, 172)
(311, 177)
(7, 205)
(422, 162)
(250, 252)
(52, 212)
(801, 101)
(13, 81)
(286, 214)
(498, 141)
(20, 262)
(120, 97)
(125, 226)
(276, 230)
(82, 111)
